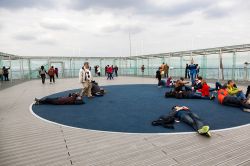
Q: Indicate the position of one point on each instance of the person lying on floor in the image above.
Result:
(183, 114)
(225, 99)
(187, 95)
(71, 99)
(96, 90)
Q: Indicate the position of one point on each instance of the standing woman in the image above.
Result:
(158, 76)
(42, 73)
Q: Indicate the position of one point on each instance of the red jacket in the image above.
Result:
(110, 70)
(205, 90)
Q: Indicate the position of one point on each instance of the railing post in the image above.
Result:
(234, 65)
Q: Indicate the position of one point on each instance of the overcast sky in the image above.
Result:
(102, 27)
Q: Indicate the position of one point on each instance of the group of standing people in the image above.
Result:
(192, 71)
(110, 70)
(52, 72)
(4, 73)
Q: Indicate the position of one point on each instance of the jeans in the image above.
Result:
(110, 76)
(192, 76)
(197, 96)
(241, 96)
(191, 119)
(218, 86)
(235, 102)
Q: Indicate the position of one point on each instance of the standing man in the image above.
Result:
(85, 78)
(51, 74)
(166, 69)
(187, 71)
(116, 71)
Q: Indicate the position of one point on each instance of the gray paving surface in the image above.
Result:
(26, 140)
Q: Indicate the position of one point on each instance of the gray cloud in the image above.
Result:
(143, 7)
(133, 29)
(17, 4)
(25, 37)
(216, 12)
(184, 23)
(55, 25)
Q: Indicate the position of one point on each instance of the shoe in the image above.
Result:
(208, 134)
(212, 97)
(203, 130)
(91, 97)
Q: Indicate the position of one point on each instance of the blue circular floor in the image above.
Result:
(132, 108)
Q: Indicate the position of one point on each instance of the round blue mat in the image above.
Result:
(132, 108)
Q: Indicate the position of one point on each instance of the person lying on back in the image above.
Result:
(71, 99)
(184, 114)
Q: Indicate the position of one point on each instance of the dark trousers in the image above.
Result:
(6, 77)
(110, 76)
(116, 74)
(49, 100)
(52, 78)
(192, 120)
(197, 96)
(43, 78)
(159, 81)
(235, 102)
(248, 91)
(218, 85)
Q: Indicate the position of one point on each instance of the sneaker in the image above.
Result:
(212, 97)
(208, 134)
(203, 130)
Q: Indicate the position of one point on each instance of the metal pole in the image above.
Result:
(130, 49)
(234, 65)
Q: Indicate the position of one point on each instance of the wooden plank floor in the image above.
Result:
(26, 140)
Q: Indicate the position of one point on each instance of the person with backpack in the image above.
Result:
(42, 73)
(183, 114)
(51, 74)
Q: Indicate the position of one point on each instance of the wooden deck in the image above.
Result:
(27, 140)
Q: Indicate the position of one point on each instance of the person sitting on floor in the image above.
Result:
(180, 85)
(185, 115)
(71, 99)
(234, 91)
(96, 90)
(198, 83)
(187, 95)
(226, 99)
